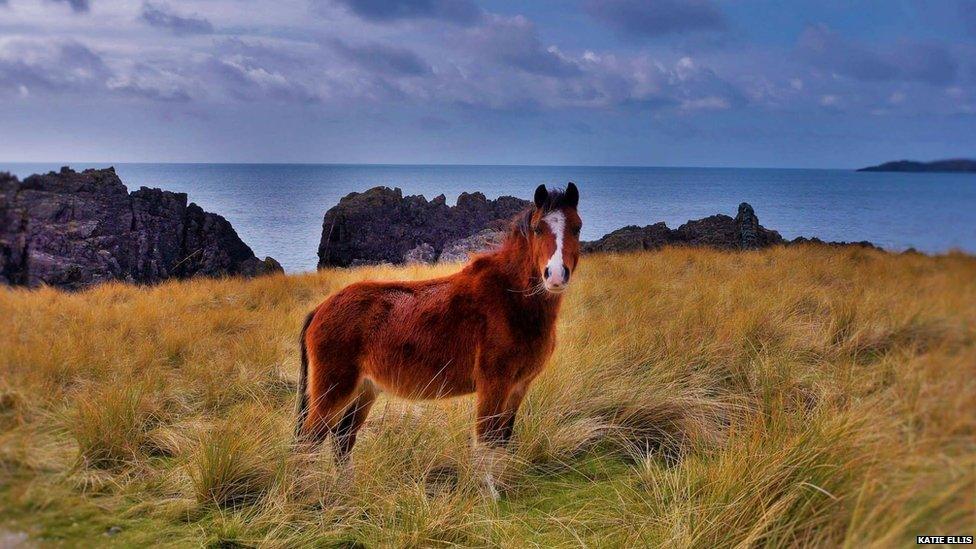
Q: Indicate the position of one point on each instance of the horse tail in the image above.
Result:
(301, 406)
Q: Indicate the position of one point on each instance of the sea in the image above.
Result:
(277, 209)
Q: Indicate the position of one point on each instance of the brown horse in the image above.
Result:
(487, 329)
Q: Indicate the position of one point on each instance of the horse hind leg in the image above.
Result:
(329, 394)
(352, 420)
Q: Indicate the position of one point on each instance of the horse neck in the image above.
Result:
(513, 264)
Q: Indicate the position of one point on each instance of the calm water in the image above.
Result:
(278, 209)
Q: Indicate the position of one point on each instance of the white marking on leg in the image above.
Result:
(490, 485)
(557, 224)
(486, 461)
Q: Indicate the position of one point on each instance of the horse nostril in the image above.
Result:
(565, 274)
(546, 273)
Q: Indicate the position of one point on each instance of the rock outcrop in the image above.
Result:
(743, 232)
(859, 244)
(71, 230)
(383, 226)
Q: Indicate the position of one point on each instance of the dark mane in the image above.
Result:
(522, 222)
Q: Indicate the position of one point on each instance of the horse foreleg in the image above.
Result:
(493, 431)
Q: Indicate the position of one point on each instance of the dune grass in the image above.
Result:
(801, 396)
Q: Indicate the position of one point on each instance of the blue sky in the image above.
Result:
(617, 82)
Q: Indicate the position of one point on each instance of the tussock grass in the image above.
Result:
(800, 396)
(237, 461)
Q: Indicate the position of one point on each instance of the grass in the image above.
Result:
(802, 396)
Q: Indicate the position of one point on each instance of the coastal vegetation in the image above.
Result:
(792, 396)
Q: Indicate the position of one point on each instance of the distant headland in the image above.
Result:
(951, 165)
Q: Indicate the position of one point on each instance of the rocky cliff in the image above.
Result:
(71, 229)
(383, 226)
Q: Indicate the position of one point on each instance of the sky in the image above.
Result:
(731, 83)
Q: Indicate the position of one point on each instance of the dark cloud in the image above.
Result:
(383, 59)
(69, 66)
(513, 41)
(651, 18)
(135, 89)
(77, 6)
(967, 13)
(461, 12)
(826, 49)
(929, 63)
(162, 17)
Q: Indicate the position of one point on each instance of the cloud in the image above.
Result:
(513, 41)
(145, 81)
(652, 18)
(931, 63)
(51, 67)
(162, 17)
(500, 64)
(914, 61)
(77, 6)
(243, 79)
(383, 59)
(459, 12)
(826, 49)
(710, 103)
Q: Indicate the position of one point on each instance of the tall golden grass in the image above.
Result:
(801, 396)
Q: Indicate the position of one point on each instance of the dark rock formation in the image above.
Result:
(717, 231)
(817, 242)
(951, 165)
(72, 229)
(383, 226)
(632, 238)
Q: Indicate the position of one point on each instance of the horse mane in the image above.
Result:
(522, 222)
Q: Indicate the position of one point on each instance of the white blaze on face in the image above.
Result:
(557, 224)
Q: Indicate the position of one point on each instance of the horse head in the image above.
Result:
(554, 230)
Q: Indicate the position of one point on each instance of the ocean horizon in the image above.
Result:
(277, 209)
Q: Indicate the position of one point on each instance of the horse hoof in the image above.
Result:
(490, 490)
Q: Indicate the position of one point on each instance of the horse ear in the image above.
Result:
(541, 196)
(572, 195)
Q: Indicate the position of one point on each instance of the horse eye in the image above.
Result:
(537, 229)
(576, 231)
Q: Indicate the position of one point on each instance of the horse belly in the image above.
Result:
(421, 375)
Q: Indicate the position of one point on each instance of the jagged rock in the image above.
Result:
(462, 249)
(748, 227)
(816, 241)
(72, 229)
(383, 226)
(632, 238)
(717, 231)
